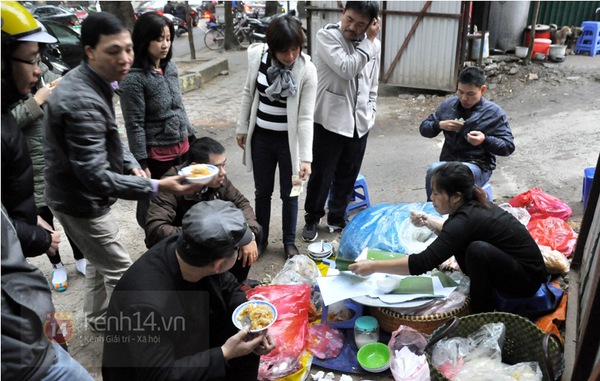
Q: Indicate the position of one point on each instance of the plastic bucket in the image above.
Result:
(541, 31)
(542, 46)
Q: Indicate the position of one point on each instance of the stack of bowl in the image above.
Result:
(318, 251)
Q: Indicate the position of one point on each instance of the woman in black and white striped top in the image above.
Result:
(275, 126)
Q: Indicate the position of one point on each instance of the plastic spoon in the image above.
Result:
(246, 322)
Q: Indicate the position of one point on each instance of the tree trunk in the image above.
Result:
(123, 10)
(229, 37)
(536, 10)
(271, 8)
(190, 25)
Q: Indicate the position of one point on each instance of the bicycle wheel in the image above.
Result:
(239, 37)
(214, 39)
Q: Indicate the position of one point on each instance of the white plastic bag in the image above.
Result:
(414, 239)
(520, 214)
(408, 363)
(408, 366)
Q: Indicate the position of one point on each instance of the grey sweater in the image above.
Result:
(153, 110)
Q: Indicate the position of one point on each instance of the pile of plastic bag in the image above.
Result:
(548, 227)
(479, 357)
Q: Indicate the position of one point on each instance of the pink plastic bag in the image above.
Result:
(325, 341)
(290, 330)
(554, 233)
(541, 205)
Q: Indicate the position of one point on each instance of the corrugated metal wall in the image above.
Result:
(429, 60)
(571, 13)
(318, 19)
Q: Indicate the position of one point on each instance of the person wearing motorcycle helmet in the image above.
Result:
(20, 70)
(24, 41)
(25, 333)
(28, 111)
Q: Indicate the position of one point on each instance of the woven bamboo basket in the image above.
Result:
(390, 320)
(523, 342)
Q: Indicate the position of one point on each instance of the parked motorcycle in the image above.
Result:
(258, 27)
(52, 57)
(179, 24)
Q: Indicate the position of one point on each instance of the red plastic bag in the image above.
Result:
(290, 330)
(325, 341)
(541, 205)
(554, 233)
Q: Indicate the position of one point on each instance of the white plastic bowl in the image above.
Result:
(204, 180)
(238, 310)
(320, 249)
(521, 51)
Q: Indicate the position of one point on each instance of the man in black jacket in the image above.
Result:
(27, 352)
(87, 165)
(170, 314)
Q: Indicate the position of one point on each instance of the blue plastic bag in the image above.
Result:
(385, 227)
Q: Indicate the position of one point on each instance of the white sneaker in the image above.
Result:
(59, 277)
(81, 265)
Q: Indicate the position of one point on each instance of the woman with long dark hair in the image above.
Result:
(490, 245)
(275, 127)
(158, 129)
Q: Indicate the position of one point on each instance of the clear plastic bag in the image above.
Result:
(296, 270)
(520, 214)
(483, 369)
(450, 355)
(414, 239)
(555, 261)
(325, 341)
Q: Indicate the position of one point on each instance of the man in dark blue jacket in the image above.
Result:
(475, 129)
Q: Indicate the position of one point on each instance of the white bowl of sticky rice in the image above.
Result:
(199, 173)
(260, 314)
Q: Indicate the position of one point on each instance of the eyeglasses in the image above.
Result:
(35, 62)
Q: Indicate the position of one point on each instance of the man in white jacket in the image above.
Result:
(347, 60)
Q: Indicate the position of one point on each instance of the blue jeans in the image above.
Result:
(65, 368)
(481, 177)
(269, 150)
